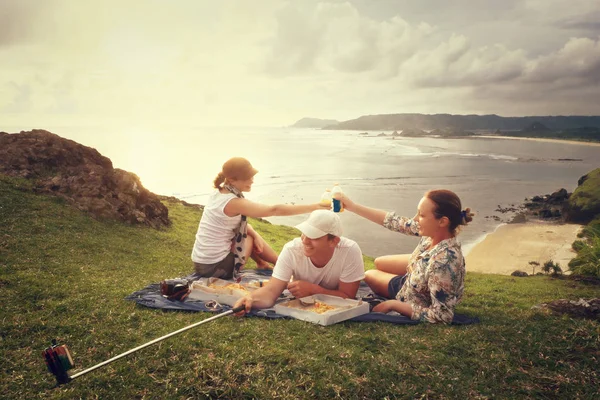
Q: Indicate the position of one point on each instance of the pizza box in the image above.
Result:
(343, 309)
(224, 292)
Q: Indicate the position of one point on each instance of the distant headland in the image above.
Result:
(314, 123)
(448, 125)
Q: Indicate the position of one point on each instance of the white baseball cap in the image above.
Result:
(321, 223)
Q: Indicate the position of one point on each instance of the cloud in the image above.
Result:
(456, 63)
(19, 100)
(14, 17)
(333, 37)
(587, 22)
(577, 62)
(272, 61)
(556, 10)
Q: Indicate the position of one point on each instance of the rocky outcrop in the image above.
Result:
(584, 203)
(549, 206)
(413, 132)
(582, 308)
(81, 175)
(519, 273)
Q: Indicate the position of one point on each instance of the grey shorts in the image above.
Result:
(395, 285)
(222, 269)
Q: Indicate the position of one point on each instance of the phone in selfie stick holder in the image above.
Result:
(59, 361)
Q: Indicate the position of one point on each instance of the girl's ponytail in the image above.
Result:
(219, 180)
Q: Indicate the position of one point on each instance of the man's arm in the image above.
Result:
(301, 289)
(263, 297)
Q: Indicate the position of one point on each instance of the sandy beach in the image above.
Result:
(511, 247)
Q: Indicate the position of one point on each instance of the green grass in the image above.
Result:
(64, 275)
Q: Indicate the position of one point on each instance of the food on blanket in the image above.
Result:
(258, 284)
(317, 307)
(321, 308)
(233, 286)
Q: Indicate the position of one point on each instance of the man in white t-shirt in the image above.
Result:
(321, 261)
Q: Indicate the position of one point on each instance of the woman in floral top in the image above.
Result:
(428, 283)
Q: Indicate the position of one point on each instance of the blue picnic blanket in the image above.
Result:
(150, 296)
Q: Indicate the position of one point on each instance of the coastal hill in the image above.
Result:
(492, 122)
(537, 127)
(81, 176)
(314, 123)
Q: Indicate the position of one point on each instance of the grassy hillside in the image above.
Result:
(584, 203)
(64, 275)
(584, 206)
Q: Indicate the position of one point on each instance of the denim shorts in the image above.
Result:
(395, 285)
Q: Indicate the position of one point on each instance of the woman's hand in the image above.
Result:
(322, 206)
(347, 203)
(401, 307)
(386, 306)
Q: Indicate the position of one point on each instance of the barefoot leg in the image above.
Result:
(268, 255)
(378, 281)
(395, 264)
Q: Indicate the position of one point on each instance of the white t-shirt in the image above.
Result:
(346, 265)
(215, 231)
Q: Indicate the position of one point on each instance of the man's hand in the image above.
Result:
(301, 289)
(246, 302)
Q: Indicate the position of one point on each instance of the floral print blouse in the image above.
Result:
(435, 278)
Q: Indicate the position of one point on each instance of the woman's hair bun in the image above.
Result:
(467, 216)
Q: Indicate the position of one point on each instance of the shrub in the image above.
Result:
(587, 261)
(552, 267)
(578, 245)
(592, 229)
(534, 264)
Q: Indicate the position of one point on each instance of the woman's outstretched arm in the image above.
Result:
(372, 214)
(258, 210)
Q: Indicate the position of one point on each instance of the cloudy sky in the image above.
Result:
(271, 62)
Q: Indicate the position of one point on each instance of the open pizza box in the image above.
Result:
(326, 310)
(224, 292)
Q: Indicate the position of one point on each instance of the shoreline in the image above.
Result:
(512, 246)
(468, 247)
(548, 140)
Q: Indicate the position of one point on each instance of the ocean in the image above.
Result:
(297, 165)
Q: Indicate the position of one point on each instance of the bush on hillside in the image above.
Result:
(584, 203)
(578, 245)
(534, 265)
(592, 229)
(587, 261)
(550, 267)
